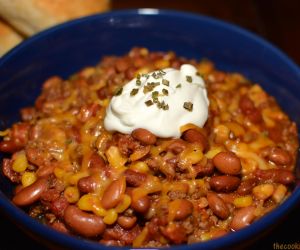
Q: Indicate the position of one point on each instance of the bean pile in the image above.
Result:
(140, 190)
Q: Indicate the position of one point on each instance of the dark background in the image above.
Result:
(278, 21)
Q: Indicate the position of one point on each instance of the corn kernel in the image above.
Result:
(263, 191)
(205, 67)
(88, 71)
(140, 166)
(189, 126)
(206, 236)
(4, 132)
(139, 153)
(222, 133)
(115, 158)
(161, 64)
(142, 70)
(59, 172)
(279, 193)
(124, 204)
(177, 186)
(74, 178)
(98, 210)
(236, 128)
(110, 217)
(87, 202)
(192, 155)
(214, 151)
(243, 201)
(28, 178)
(72, 194)
(140, 239)
(20, 162)
(152, 185)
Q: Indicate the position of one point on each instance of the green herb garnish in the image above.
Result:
(189, 79)
(119, 92)
(188, 106)
(165, 82)
(154, 94)
(138, 82)
(149, 103)
(150, 86)
(134, 92)
(165, 91)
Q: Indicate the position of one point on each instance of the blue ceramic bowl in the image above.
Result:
(67, 48)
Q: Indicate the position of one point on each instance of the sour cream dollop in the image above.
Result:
(161, 102)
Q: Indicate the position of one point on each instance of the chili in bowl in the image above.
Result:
(151, 149)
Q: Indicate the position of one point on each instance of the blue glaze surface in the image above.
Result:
(67, 48)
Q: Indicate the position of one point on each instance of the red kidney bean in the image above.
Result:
(58, 206)
(248, 108)
(177, 146)
(9, 172)
(144, 136)
(9, 146)
(242, 218)
(45, 171)
(182, 208)
(19, 133)
(246, 104)
(279, 156)
(193, 135)
(217, 205)
(246, 186)
(228, 197)
(217, 77)
(88, 111)
(275, 133)
(276, 175)
(205, 170)
(113, 193)
(59, 226)
(126, 222)
(174, 232)
(96, 162)
(122, 64)
(85, 224)
(28, 113)
(134, 178)
(140, 62)
(18, 188)
(37, 156)
(141, 205)
(224, 183)
(31, 194)
(130, 72)
(103, 93)
(255, 116)
(87, 184)
(227, 163)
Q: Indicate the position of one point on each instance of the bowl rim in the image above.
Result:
(69, 241)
